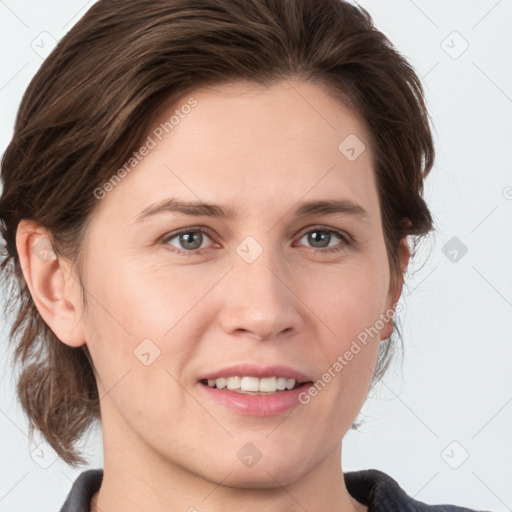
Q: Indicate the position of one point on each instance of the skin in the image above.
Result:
(167, 446)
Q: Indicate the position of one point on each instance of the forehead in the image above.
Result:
(251, 117)
(252, 145)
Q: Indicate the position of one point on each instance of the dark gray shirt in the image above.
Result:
(371, 487)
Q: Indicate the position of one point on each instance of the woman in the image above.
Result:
(207, 207)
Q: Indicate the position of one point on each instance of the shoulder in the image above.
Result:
(85, 485)
(381, 493)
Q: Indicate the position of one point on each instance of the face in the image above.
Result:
(178, 296)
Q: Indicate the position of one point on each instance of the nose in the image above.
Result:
(258, 298)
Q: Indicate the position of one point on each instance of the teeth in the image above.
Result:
(268, 385)
(252, 384)
(220, 383)
(281, 383)
(233, 382)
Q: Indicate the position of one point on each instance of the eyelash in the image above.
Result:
(346, 239)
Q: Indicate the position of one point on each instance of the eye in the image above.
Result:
(320, 238)
(188, 241)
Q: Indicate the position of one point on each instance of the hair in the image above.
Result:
(92, 102)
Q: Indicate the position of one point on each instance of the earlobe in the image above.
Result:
(50, 283)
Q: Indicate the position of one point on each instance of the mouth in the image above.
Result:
(253, 390)
(241, 396)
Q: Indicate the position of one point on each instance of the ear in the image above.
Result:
(395, 291)
(53, 287)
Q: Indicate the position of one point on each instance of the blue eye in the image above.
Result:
(321, 235)
(190, 241)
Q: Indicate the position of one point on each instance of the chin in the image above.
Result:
(247, 479)
(264, 474)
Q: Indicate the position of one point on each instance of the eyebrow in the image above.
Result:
(333, 207)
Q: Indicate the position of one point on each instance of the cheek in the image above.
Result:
(350, 301)
(144, 301)
(348, 297)
(138, 366)
(141, 316)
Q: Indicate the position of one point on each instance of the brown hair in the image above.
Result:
(94, 98)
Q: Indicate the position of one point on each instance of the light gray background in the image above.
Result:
(452, 396)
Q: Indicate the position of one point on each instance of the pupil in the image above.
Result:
(191, 237)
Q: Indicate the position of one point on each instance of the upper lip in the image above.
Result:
(252, 370)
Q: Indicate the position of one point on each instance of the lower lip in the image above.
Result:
(272, 404)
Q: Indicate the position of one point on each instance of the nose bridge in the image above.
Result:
(259, 266)
(257, 297)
